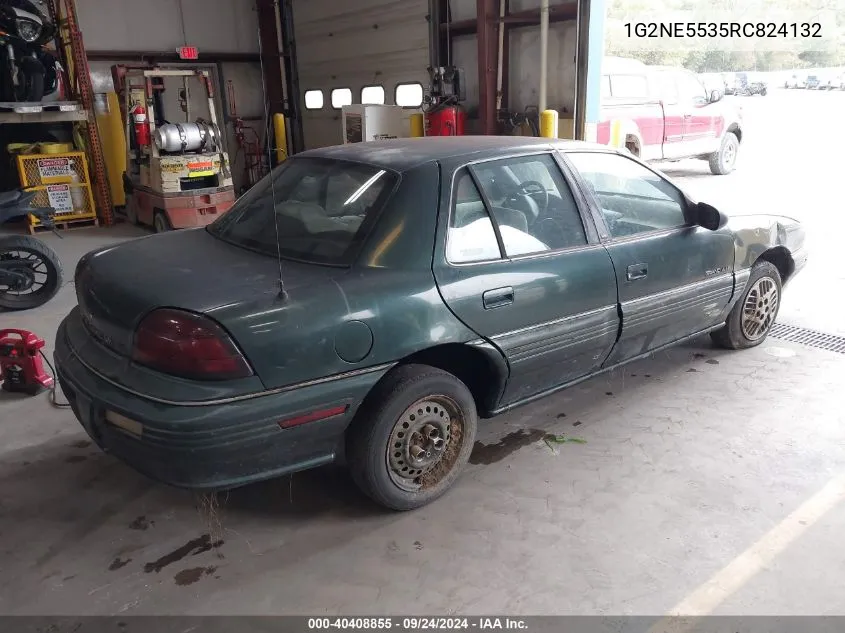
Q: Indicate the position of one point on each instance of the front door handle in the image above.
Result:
(637, 271)
(497, 298)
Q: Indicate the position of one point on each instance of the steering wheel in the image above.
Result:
(549, 226)
(530, 189)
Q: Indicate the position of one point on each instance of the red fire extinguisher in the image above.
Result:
(142, 125)
(20, 362)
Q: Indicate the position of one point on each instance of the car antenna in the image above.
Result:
(283, 294)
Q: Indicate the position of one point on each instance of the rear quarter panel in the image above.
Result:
(384, 308)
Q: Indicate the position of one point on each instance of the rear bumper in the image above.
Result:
(209, 446)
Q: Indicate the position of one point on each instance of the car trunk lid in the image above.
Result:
(190, 270)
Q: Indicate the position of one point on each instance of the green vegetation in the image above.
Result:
(706, 57)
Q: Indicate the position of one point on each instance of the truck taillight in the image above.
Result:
(188, 345)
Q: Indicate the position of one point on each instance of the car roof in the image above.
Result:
(402, 154)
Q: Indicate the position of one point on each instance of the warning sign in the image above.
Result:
(60, 198)
(54, 168)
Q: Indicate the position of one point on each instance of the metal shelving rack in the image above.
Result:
(71, 52)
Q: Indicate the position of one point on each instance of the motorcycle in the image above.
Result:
(29, 71)
(30, 271)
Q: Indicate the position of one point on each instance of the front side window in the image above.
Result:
(666, 88)
(532, 204)
(633, 199)
(321, 209)
(690, 89)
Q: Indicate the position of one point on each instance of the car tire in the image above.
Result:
(407, 412)
(724, 161)
(760, 303)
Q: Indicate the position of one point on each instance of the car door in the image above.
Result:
(674, 278)
(666, 90)
(517, 264)
(701, 117)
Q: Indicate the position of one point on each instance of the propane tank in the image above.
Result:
(445, 121)
(187, 137)
(142, 125)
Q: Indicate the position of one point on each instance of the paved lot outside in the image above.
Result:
(695, 461)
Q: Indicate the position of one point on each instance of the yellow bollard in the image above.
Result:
(548, 123)
(281, 134)
(616, 138)
(417, 125)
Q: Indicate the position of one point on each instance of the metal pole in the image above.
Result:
(544, 52)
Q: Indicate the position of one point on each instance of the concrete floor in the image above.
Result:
(702, 469)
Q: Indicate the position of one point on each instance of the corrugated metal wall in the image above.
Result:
(352, 45)
(223, 26)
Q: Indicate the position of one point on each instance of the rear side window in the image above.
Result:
(321, 209)
(471, 236)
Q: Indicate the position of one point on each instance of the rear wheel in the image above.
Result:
(412, 437)
(33, 273)
(723, 161)
(751, 319)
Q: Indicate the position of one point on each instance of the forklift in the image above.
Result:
(177, 173)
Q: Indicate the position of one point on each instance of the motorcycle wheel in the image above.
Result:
(39, 273)
(31, 85)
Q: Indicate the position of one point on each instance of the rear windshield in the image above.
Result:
(323, 209)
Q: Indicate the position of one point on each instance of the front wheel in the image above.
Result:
(161, 223)
(724, 161)
(30, 273)
(412, 437)
(751, 319)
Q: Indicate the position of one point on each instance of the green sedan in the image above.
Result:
(371, 302)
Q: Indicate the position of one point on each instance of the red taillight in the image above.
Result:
(187, 345)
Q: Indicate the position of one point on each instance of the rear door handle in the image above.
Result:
(637, 271)
(497, 297)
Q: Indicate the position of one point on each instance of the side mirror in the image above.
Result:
(709, 217)
(715, 96)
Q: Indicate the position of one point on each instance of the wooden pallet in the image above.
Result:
(67, 225)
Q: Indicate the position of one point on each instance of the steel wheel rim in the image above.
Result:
(425, 443)
(31, 266)
(730, 153)
(760, 308)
